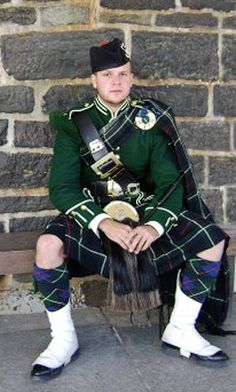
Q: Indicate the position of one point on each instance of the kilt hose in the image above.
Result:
(85, 255)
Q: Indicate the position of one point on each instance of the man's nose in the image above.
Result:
(116, 80)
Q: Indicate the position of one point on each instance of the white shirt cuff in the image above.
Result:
(94, 223)
(157, 226)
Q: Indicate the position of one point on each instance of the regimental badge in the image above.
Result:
(145, 119)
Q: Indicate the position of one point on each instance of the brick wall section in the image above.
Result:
(183, 52)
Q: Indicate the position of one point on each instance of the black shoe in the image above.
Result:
(216, 359)
(44, 373)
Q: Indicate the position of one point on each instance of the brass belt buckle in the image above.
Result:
(106, 165)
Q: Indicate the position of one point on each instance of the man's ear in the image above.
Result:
(93, 81)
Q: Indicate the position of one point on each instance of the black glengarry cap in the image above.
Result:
(108, 55)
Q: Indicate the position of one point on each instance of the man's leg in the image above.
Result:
(193, 286)
(51, 278)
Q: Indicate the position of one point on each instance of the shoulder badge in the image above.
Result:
(145, 119)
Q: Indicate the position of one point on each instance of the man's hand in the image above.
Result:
(134, 240)
(140, 238)
(116, 231)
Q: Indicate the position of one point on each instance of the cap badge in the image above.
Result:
(145, 119)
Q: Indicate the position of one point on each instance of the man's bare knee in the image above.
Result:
(214, 253)
(49, 251)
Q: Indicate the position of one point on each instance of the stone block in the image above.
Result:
(214, 200)
(56, 55)
(29, 224)
(94, 292)
(65, 97)
(16, 99)
(170, 55)
(229, 22)
(231, 205)
(138, 4)
(229, 57)
(224, 98)
(184, 20)
(219, 5)
(184, 100)
(24, 204)
(222, 171)
(64, 14)
(3, 132)
(207, 135)
(18, 15)
(24, 170)
(125, 18)
(33, 134)
(198, 168)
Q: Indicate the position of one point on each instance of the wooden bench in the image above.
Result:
(17, 250)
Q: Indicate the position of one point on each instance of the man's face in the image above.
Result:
(113, 85)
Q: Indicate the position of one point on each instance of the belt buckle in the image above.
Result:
(109, 158)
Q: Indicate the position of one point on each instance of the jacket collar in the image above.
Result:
(104, 109)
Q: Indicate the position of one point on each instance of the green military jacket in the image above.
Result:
(147, 154)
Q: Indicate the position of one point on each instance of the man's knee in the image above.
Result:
(49, 251)
(214, 253)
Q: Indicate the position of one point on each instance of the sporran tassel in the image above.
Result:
(133, 282)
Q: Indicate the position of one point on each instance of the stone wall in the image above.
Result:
(183, 53)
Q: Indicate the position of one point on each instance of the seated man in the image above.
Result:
(135, 156)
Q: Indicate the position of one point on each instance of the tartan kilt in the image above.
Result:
(86, 256)
(192, 234)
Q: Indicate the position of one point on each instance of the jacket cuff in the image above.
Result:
(94, 223)
(165, 217)
(84, 212)
(157, 226)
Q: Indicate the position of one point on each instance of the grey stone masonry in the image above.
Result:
(24, 204)
(182, 19)
(168, 55)
(49, 56)
(138, 4)
(23, 170)
(228, 57)
(64, 14)
(29, 224)
(3, 132)
(224, 101)
(229, 22)
(33, 134)
(231, 205)
(16, 99)
(185, 100)
(183, 53)
(222, 171)
(21, 16)
(214, 198)
(206, 135)
(219, 5)
(65, 97)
